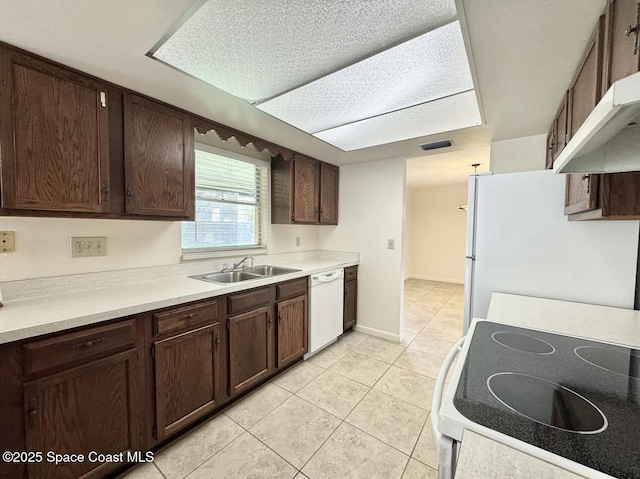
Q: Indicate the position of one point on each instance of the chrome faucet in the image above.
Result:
(237, 265)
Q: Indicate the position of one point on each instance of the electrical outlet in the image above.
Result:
(390, 244)
(86, 246)
(7, 242)
(297, 240)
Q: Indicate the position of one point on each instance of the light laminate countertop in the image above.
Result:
(35, 316)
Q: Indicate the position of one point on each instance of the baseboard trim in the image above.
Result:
(433, 278)
(377, 332)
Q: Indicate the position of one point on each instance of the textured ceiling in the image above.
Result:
(331, 76)
(525, 53)
(260, 48)
(445, 114)
(431, 66)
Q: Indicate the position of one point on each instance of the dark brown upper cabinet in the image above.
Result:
(581, 193)
(53, 137)
(158, 159)
(300, 195)
(622, 56)
(586, 87)
(328, 194)
(561, 127)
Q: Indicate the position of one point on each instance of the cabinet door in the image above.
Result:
(292, 329)
(621, 46)
(328, 194)
(94, 407)
(586, 89)
(561, 124)
(550, 147)
(305, 190)
(54, 138)
(581, 193)
(350, 304)
(159, 161)
(249, 348)
(186, 374)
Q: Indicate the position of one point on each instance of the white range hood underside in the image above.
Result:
(609, 139)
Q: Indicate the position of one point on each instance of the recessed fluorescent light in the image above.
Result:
(257, 49)
(447, 114)
(435, 145)
(431, 66)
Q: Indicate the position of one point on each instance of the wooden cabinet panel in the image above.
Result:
(67, 349)
(620, 195)
(93, 407)
(351, 273)
(186, 317)
(159, 159)
(581, 193)
(54, 137)
(293, 288)
(328, 194)
(550, 147)
(248, 300)
(586, 89)
(249, 348)
(621, 46)
(292, 329)
(350, 304)
(305, 190)
(561, 125)
(186, 378)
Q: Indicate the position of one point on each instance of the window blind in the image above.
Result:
(231, 204)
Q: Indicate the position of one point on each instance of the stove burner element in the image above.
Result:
(547, 403)
(625, 363)
(522, 342)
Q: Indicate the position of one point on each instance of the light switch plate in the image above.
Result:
(87, 246)
(7, 242)
(390, 244)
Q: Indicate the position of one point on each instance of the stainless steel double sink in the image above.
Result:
(258, 272)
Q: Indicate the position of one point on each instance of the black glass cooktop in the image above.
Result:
(576, 398)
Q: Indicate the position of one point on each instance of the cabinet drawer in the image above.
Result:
(246, 301)
(186, 317)
(291, 289)
(83, 345)
(351, 273)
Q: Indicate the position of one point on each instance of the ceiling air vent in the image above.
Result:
(434, 145)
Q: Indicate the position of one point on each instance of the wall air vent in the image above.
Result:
(434, 145)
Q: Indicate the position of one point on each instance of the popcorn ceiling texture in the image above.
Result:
(446, 114)
(258, 49)
(432, 66)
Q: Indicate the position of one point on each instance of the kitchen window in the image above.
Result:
(231, 204)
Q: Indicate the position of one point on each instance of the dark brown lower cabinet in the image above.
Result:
(581, 193)
(350, 297)
(292, 329)
(93, 407)
(249, 344)
(186, 377)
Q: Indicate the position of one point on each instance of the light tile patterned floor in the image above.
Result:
(357, 410)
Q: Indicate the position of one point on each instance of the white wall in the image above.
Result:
(519, 154)
(436, 233)
(371, 212)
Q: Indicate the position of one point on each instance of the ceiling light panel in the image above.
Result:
(431, 66)
(257, 49)
(447, 114)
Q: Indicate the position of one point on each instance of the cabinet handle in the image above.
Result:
(634, 30)
(129, 194)
(88, 344)
(103, 99)
(269, 319)
(217, 341)
(279, 318)
(105, 190)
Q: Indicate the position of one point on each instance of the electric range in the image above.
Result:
(572, 402)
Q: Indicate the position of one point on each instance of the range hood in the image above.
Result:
(609, 139)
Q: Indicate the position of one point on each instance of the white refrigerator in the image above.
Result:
(519, 241)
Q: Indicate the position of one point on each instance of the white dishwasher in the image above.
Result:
(325, 309)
